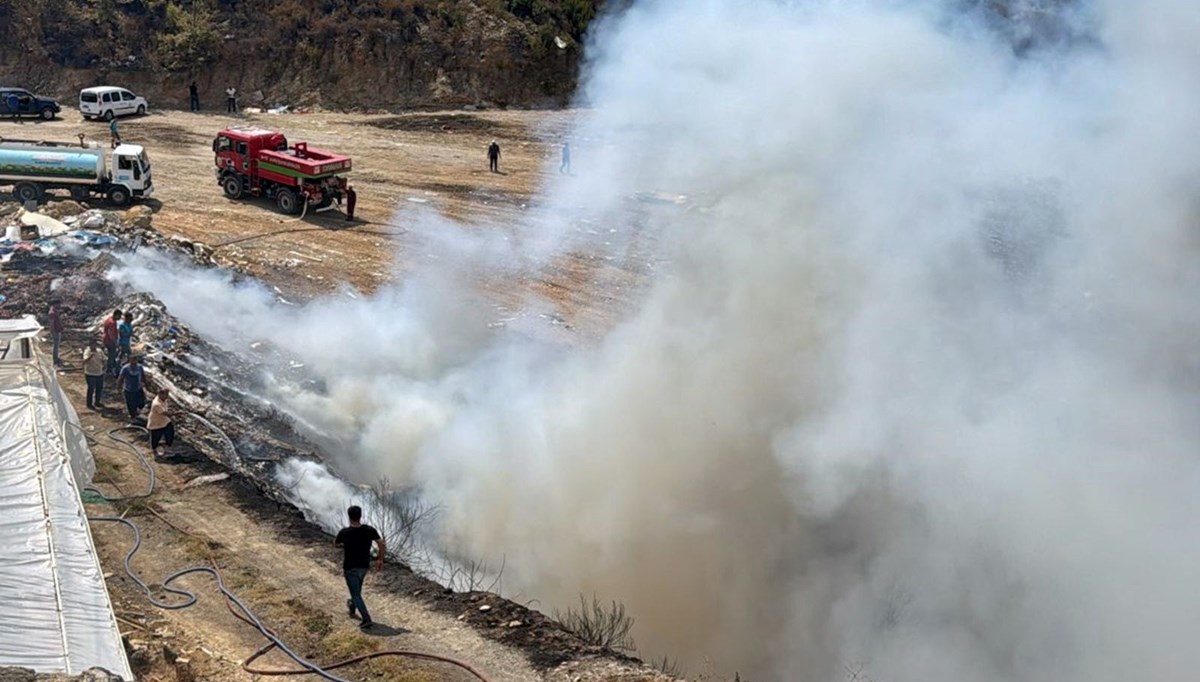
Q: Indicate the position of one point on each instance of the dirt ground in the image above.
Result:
(403, 164)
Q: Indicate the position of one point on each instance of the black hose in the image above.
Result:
(152, 481)
(190, 598)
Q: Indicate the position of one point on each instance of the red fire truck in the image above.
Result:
(255, 162)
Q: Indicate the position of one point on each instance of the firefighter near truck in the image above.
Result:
(254, 162)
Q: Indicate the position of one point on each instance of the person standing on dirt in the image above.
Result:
(116, 134)
(125, 336)
(355, 542)
(93, 374)
(494, 157)
(565, 166)
(110, 341)
(14, 108)
(162, 430)
(56, 332)
(130, 380)
(194, 96)
(351, 199)
(231, 100)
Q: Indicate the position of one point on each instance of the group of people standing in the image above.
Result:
(116, 361)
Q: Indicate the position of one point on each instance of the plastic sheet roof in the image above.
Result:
(55, 614)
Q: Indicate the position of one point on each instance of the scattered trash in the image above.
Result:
(94, 240)
(95, 221)
(46, 226)
(202, 480)
(485, 607)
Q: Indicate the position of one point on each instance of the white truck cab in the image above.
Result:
(108, 102)
(130, 170)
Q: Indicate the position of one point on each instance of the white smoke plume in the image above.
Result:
(914, 387)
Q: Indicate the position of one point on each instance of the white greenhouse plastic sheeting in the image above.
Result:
(55, 614)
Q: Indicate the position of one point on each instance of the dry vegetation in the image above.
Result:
(332, 53)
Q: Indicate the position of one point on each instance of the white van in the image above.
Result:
(107, 102)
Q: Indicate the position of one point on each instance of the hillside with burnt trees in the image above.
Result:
(335, 54)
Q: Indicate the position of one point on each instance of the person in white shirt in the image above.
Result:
(231, 100)
(94, 361)
(159, 422)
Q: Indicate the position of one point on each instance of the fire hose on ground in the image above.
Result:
(242, 612)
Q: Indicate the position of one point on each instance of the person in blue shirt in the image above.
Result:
(116, 136)
(130, 380)
(125, 336)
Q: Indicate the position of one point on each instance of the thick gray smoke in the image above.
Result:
(915, 386)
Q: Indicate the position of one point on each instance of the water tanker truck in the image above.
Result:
(32, 167)
(254, 162)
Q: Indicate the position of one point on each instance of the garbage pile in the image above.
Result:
(70, 227)
(233, 423)
(61, 252)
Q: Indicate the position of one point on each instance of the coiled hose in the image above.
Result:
(242, 612)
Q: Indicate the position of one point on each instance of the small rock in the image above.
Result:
(463, 617)
(515, 624)
(201, 480)
(62, 209)
(485, 607)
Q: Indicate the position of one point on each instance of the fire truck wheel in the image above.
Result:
(232, 186)
(287, 202)
(118, 196)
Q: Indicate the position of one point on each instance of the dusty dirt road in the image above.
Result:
(402, 164)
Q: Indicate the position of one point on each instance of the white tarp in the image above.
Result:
(55, 614)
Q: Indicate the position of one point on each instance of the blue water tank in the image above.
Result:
(48, 163)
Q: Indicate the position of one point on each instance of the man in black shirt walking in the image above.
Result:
(494, 157)
(356, 542)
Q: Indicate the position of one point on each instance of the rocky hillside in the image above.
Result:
(336, 54)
